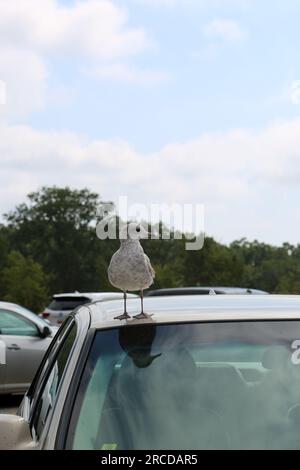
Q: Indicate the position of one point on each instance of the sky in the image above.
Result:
(162, 101)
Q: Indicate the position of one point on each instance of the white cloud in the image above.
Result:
(233, 173)
(32, 31)
(228, 30)
(91, 28)
(126, 73)
(165, 3)
(2, 92)
(25, 76)
(194, 3)
(294, 92)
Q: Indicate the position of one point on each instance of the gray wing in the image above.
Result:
(148, 264)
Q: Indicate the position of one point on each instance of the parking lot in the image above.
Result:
(9, 404)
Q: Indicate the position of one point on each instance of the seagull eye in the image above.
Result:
(138, 229)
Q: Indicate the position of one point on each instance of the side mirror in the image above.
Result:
(14, 433)
(45, 332)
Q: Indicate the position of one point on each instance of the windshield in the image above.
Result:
(191, 386)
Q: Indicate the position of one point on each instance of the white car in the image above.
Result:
(24, 339)
(203, 372)
(63, 304)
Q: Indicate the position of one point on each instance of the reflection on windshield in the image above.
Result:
(137, 343)
(192, 386)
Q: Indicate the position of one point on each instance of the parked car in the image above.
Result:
(63, 304)
(204, 372)
(203, 291)
(24, 339)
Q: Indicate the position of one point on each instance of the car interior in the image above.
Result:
(187, 398)
(213, 406)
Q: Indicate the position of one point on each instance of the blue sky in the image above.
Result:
(161, 100)
(210, 83)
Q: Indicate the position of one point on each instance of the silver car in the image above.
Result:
(24, 338)
(203, 372)
(204, 291)
(63, 304)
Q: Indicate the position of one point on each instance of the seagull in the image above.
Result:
(130, 268)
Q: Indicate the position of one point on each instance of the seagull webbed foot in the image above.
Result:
(124, 316)
(143, 315)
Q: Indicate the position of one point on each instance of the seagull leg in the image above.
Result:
(142, 315)
(125, 315)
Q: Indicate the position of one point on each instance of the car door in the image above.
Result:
(47, 388)
(2, 364)
(24, 349)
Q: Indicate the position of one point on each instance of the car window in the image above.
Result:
(13, 324)
(30, 315)
(48, 392)
(219, 385)
(36, 384)
(67, 303)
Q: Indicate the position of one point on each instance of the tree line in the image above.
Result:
(48, 245)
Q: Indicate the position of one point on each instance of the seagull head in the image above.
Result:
(133, 231)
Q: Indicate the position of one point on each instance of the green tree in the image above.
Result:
(24, 282)
(4, 246)
(56, 227)
(214, 265)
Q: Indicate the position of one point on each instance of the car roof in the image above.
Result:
(8, 304)
(195, 308)
(203, 289)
